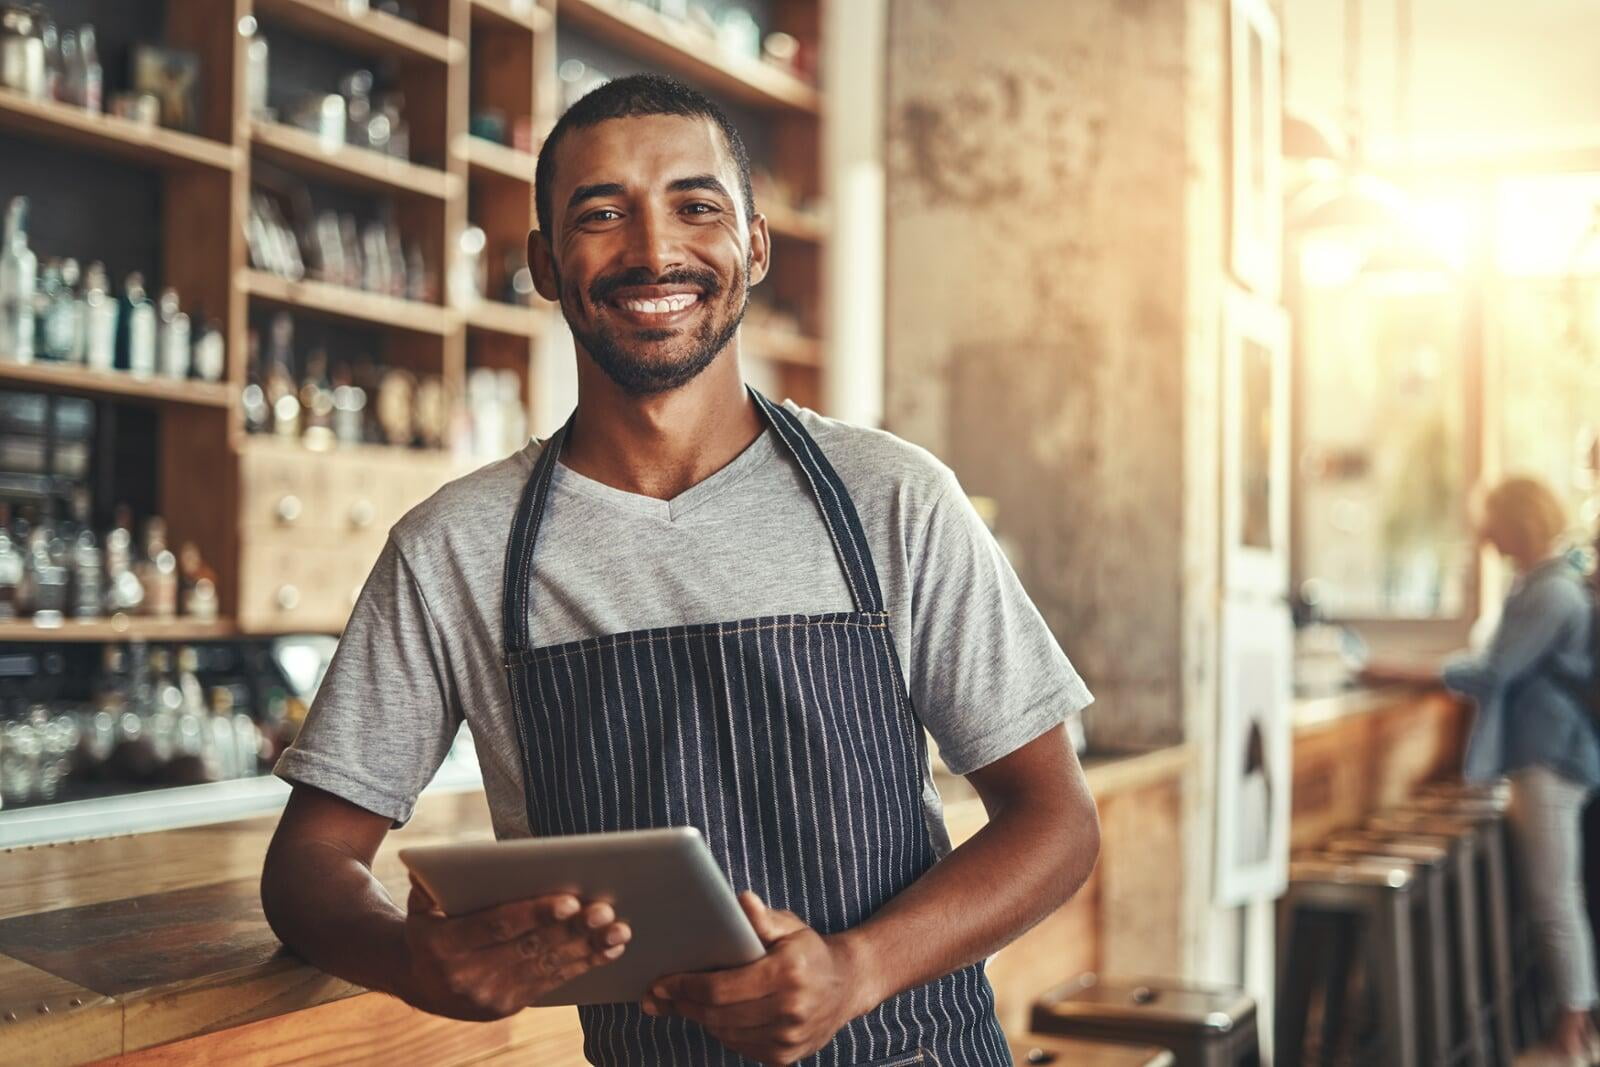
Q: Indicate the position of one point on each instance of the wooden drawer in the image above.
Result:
(287, 584)
(327, 497)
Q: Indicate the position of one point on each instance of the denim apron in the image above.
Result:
(788, 741)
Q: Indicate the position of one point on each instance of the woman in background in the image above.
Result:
(1535, 727)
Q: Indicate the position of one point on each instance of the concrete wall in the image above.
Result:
(1056, 267)
(1036, 310)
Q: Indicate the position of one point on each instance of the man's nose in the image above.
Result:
(652, 244)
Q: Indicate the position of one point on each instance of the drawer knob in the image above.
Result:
(289, 509)
(288, 597)
(362, 513)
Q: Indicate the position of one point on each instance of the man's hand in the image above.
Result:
(784, 1006)
(495, 962)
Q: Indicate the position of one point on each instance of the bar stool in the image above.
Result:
(1070, 1052)
(1440, 1041)
(1461, 839)
(1366, 905)
(1488, 816)
(1202, 1027)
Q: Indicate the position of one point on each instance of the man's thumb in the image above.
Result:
(768, 924)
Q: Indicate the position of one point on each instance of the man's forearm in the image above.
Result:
(1023, 865)
(326, 905)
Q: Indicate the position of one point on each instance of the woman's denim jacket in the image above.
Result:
(1524, 683)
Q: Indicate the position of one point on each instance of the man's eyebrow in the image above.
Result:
(594, 192)
(707, 182)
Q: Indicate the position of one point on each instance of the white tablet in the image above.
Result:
(662, 883)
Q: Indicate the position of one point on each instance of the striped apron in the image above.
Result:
(788, 741)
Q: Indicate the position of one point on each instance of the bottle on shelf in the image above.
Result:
(282, 396)
(172, 343)
(211, 353)
(100, 314)
(87, 562)
(158, 571)
(93, 79)
(195, 756)
(57, 311)
(316, 402)
(44, 580)
(257, 412)
(12, 566)
(18, 277)
(197, 583)
(124, 591)
(136, 345)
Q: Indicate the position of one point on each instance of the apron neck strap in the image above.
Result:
(827, 489)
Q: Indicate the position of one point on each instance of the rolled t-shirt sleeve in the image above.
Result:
(987, 675)
(386, 713)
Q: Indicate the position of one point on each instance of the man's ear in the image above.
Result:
(760, 250)
(541, 261)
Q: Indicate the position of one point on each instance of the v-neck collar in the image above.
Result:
(760, 451)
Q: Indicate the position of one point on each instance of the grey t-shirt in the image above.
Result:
(422, 649)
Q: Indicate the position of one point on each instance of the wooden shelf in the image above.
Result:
(784, 221)
(782, 347)
(690, 54)
(524, 16)
(493, 316)
(348, 164)
(356, 305)
(372, 33)
(73, 378)
(109, 135)
(486, 157)
(117, 628)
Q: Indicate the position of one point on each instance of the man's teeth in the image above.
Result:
(676, 302)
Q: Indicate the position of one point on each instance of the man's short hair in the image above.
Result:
(635, 96)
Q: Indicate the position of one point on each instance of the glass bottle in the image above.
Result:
(173, 336)
(211, 353)
(44, 580)
(87, 563)
(124, 591)
(11, 567)
(93, 75)
(158, 571)
(257, 412)
(316, 402)
(282, 395)
(136, 345)
(100, 314)
(59, 318)
(73, 72)
(18, 277)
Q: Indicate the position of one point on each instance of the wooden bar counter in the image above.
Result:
(151, 949)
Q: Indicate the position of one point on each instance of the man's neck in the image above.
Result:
(663, 444)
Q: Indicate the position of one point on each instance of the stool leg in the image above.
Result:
(1393, 971)
(1437, 967)
(1498, 908)
(1295, 955)
(1470, 966)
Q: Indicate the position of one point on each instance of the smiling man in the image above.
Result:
(692, 606)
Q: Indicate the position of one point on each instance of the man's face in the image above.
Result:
(650, 256)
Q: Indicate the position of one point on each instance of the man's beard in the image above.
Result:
(643, 377)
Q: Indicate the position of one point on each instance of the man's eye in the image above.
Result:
(605, 214)
(700, 208)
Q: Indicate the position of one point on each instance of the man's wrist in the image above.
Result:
(869, 986)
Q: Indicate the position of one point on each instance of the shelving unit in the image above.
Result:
(217, 484)
(371, 31)
(112, 136)
(71, 378)
(688, 53)
(361, 167)
(116, 628)
(353, 305)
